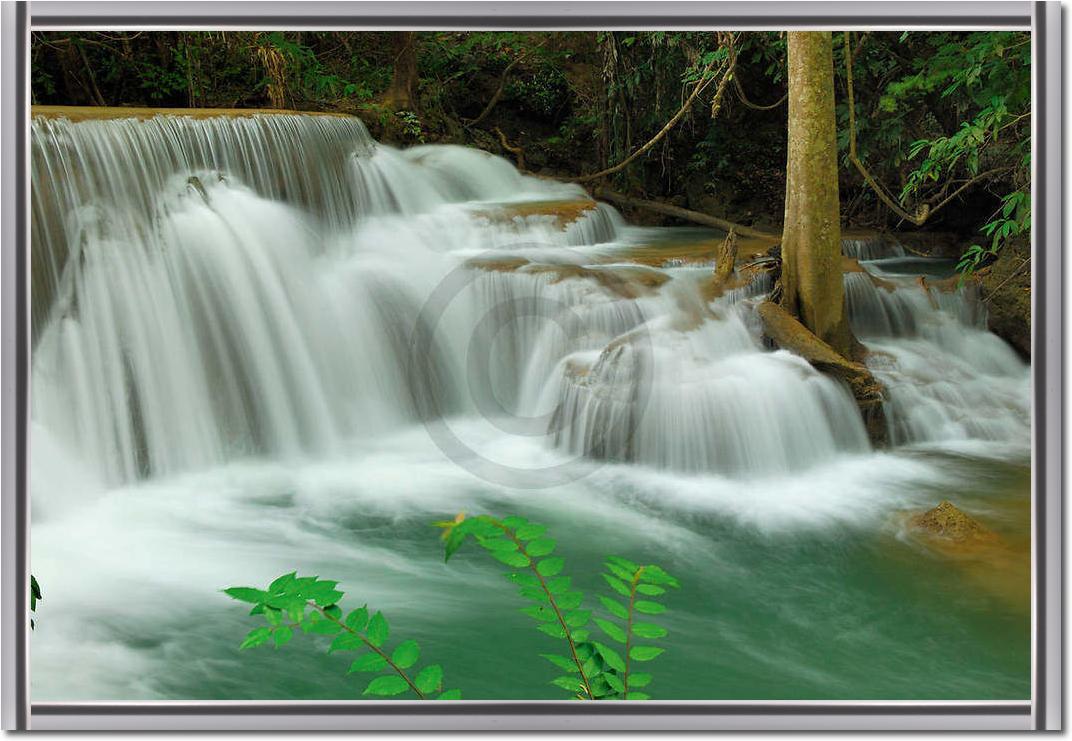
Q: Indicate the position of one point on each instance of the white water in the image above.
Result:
(223, 375)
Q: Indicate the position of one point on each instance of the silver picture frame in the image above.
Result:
(1044, 711)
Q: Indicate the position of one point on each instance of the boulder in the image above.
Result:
(786, 332)
(947, 521)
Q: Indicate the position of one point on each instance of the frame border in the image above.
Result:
(1043, 712)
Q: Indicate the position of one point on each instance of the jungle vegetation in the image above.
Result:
(924, 133)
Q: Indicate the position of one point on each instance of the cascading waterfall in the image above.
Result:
(947, 378)
(224, 388)
(247, 286)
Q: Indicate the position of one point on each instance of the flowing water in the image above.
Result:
(270, 343)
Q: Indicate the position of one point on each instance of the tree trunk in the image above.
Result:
(811, 240)
(401, 95)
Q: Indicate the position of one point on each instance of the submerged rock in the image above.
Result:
(789, 334)
(947, 521)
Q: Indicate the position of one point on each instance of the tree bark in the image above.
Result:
(811, 239)
(401, 94)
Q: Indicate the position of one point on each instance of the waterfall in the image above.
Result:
(947, 377)
(871, 248)
(214, 290)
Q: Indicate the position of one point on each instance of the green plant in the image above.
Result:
(35, 597)
(594, 670)
(1011, 220)
(411, 125)
(310, 604)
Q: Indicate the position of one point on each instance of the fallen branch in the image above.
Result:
(681, 213)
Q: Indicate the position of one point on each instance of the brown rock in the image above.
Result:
(947, 521)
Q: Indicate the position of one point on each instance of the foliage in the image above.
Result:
(35, 597)
(311, 605)
(594, 670)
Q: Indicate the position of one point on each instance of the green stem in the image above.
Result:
(554, 606)
(398, 670)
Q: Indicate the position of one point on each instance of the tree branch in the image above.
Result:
(701, 84)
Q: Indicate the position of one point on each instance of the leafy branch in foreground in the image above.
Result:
(35, 597)
(310, 604)
(594, 670)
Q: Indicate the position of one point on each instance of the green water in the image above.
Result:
(835, 611)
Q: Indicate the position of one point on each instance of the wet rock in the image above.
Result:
(947, 521)
(562, 213)
(786, 332)
(1007, 291)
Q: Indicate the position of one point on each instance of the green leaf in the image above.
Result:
(648, 608)
(256, 637)
(539, 612)
(378, 630)
(540, 547)
(571, 684)
(357, 619)
(429, 679)
(530, 531)
(557, 584)
(386, 686)
(569, 600)
(451, 695)
(511, 558)
(497, 544)
(637, 679)
(333, 611)
(370, 662)
(282, 635)
(577, 618)
(346, 642)
(536, 594)
(406, 654)
(514, 522)
(618, 571)
(452, 543)
(617, 586)
(611, 629)
(650, 589)
(550, 566)
(552, 629)
(615, 683)
(638, 696)
(614, 661)
(625, 563)
(525, 580)
(648, 630)
(246, 594)
(655, 575)
(644, 653)
(563, 663)
(579, 635)
(273, 616)
(283, 583)
(614, 607)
